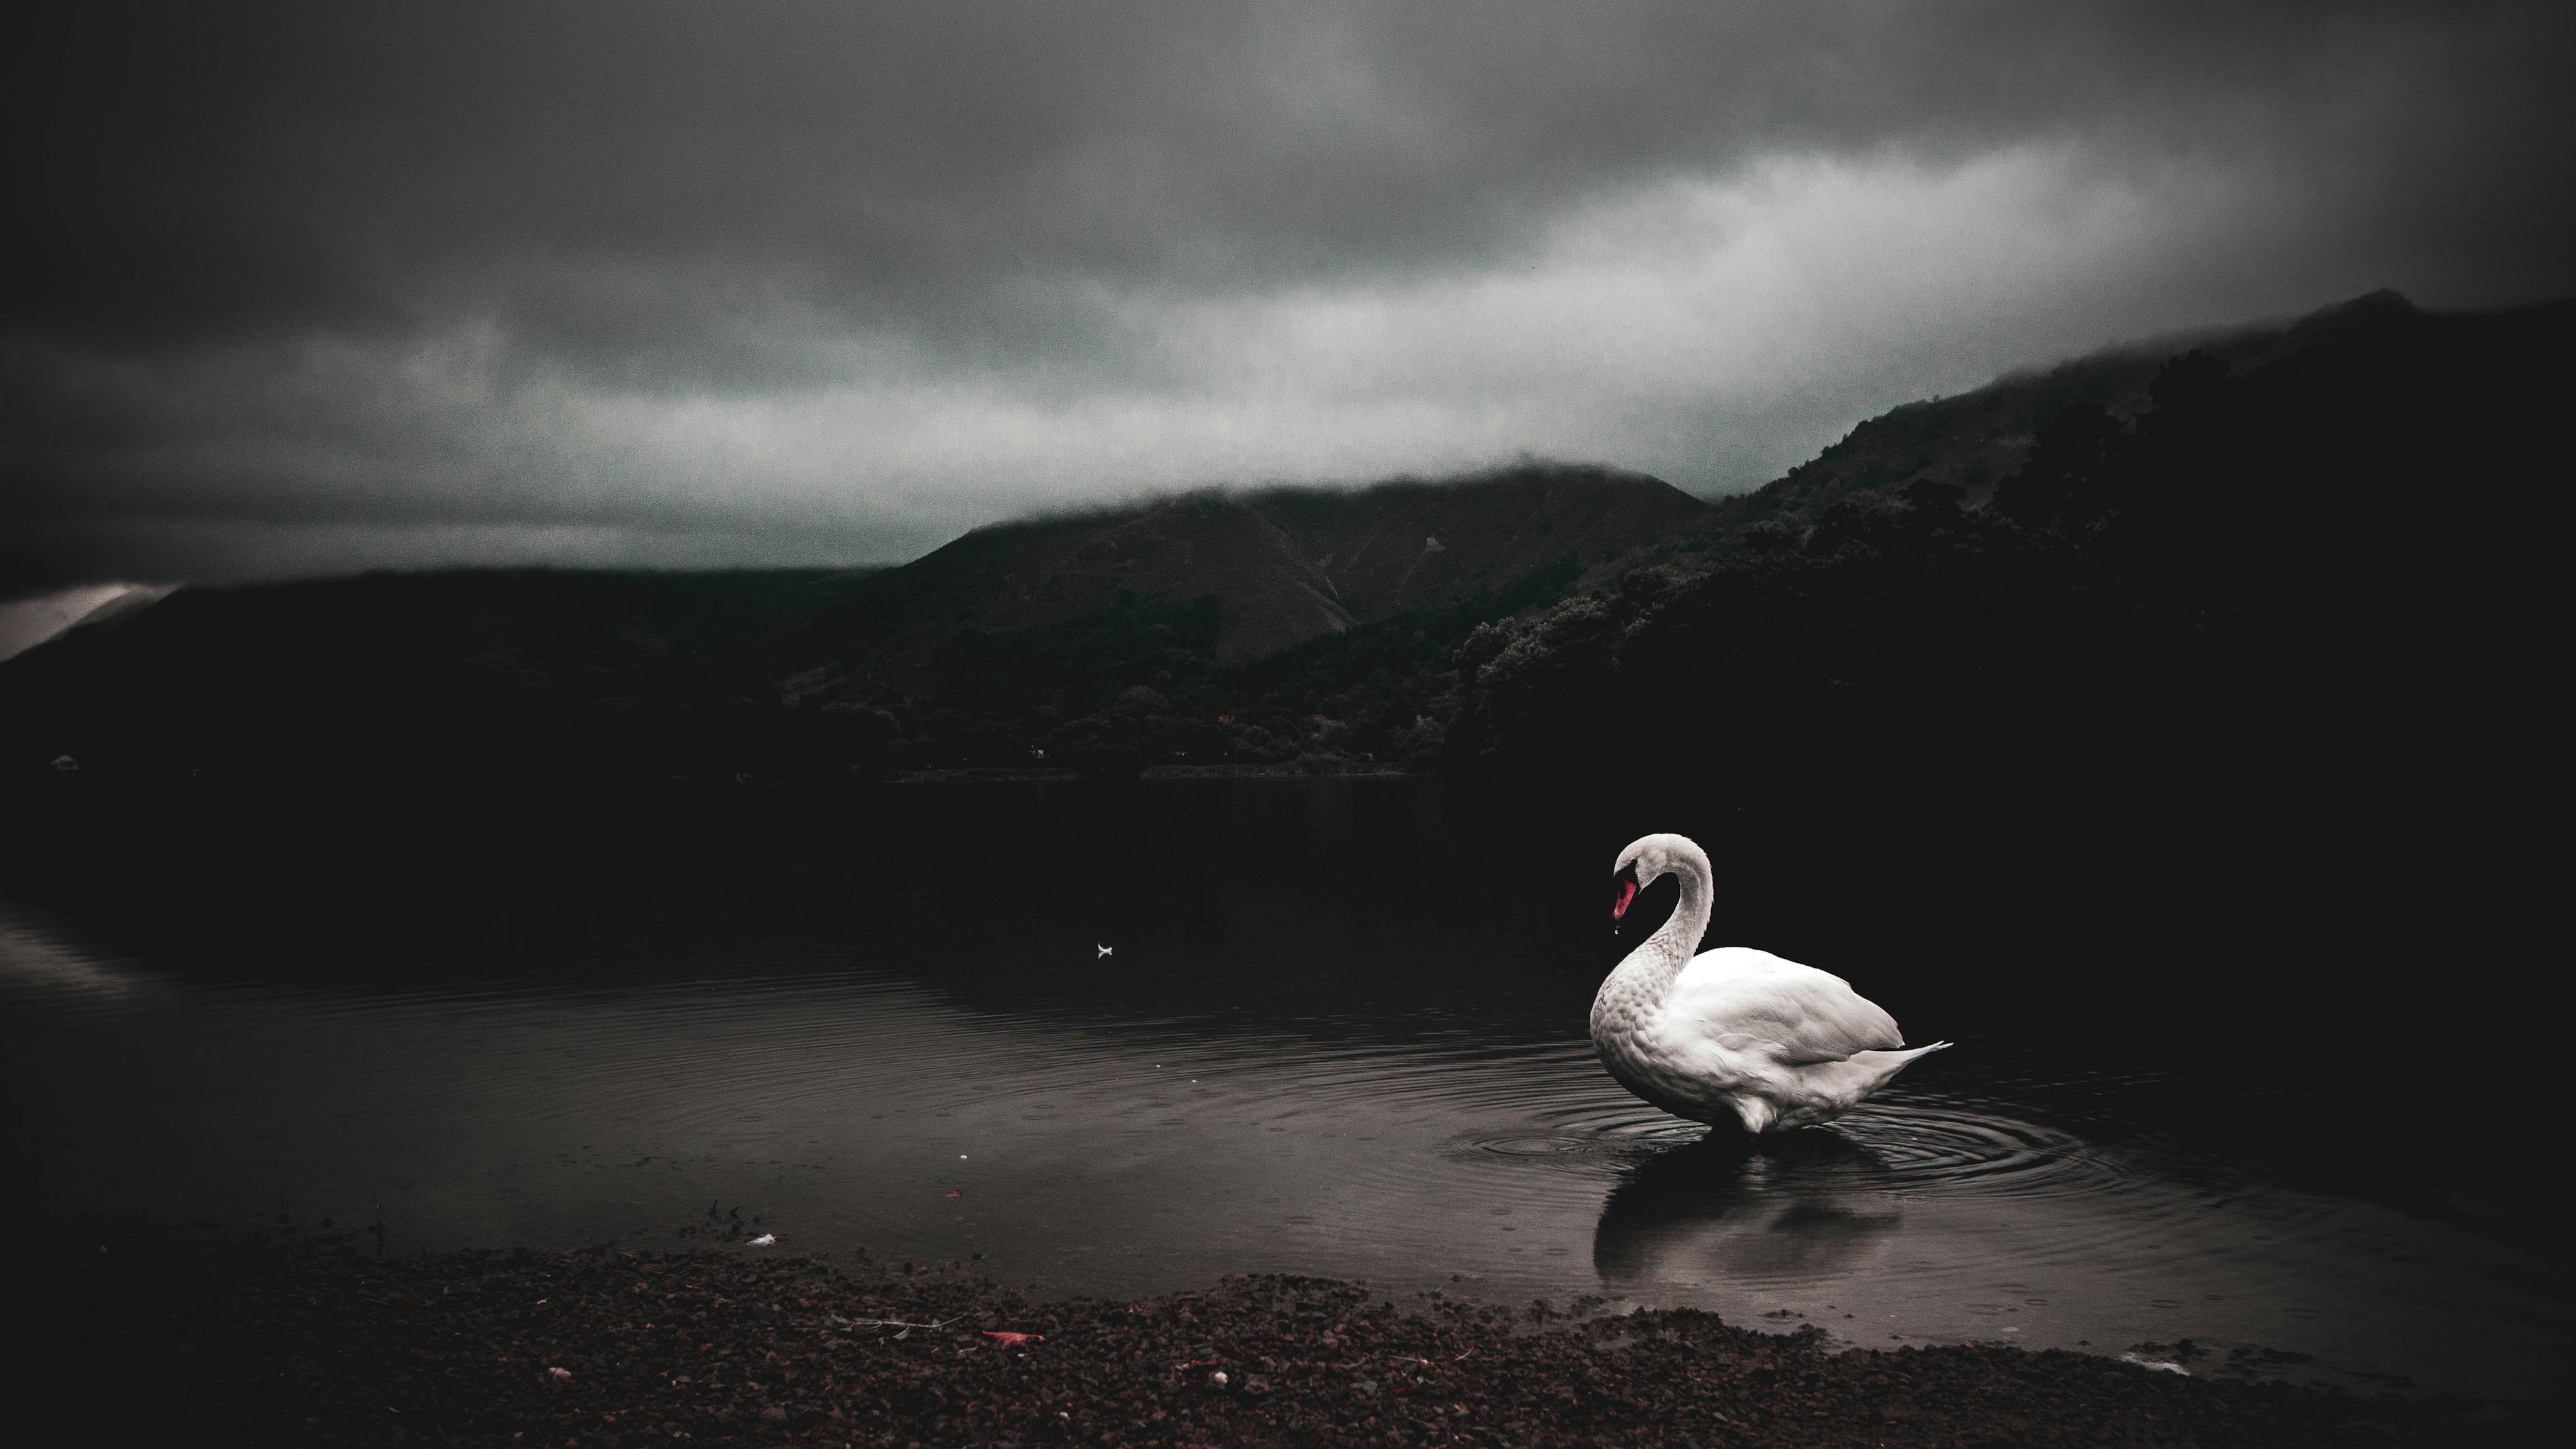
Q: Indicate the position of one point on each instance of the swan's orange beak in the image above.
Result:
(1627, 893)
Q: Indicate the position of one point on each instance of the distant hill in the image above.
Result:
(1282, 565)
(2245, 557)
(1974, 440)
(978, 653)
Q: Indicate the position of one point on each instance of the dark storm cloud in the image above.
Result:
(866, 273)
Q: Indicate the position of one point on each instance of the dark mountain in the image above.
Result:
(2342, 528)
(1282, 565)
(1975, 440)
(983, 652)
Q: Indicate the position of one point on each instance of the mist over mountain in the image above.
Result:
(1283, 604)
(1286, 564)
(2322, 528)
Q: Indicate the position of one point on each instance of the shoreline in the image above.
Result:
(298, 1339)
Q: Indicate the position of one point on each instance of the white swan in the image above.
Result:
(1733, 1035)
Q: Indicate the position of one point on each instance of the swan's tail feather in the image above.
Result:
(1886, 1065)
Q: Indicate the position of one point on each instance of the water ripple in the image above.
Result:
(853, 1107)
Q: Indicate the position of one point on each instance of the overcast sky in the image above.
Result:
(731, 283)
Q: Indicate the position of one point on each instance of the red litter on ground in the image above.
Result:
(1007, 1339)
(954, 1192)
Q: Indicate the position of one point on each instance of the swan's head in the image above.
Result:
(1649, 859)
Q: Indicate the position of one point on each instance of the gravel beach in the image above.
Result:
(291, 1339)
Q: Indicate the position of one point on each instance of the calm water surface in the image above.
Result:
(1333, 1037)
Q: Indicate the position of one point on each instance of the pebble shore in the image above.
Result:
(290, 1340)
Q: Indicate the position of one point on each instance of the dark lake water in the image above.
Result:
(1340, 1031)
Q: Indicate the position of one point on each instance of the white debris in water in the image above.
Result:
(2160, 1365)
(765, 1240)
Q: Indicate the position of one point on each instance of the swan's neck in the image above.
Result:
(1650, 968)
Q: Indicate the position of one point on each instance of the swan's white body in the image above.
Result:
(1735, 1036)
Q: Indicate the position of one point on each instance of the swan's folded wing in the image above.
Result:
(1804, 1015)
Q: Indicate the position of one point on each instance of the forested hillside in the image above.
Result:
(2322, 548)
(1263, 628)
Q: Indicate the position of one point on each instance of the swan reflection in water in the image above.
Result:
(1798, 1206)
